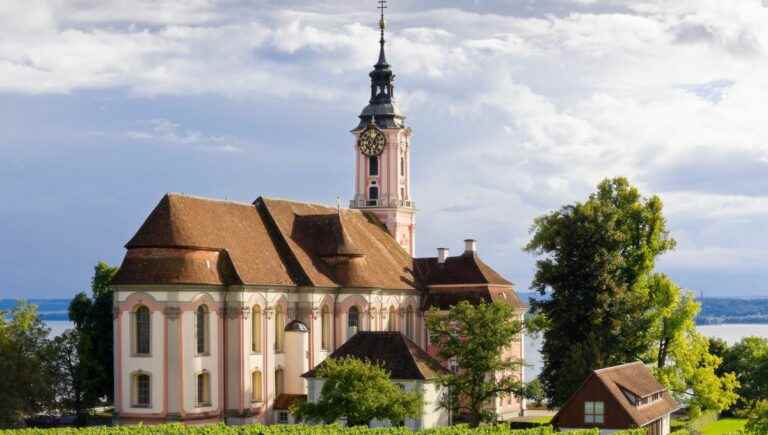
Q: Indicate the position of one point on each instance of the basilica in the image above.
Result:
(223, 309)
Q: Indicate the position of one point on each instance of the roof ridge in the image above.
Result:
(203, 198)
(317, 204)
(607, 369)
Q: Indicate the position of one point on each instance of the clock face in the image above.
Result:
(372, 142)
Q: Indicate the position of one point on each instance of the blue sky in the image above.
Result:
(517, 108)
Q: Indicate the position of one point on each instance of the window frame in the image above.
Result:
(256, 329)
(136, 390)
(203, 391)
(142, 328)
(279, 329)
(591, 413)
(257, 380)
(279, 381)
(325, 328)
(202, 330)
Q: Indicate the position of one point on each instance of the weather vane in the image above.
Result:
(382, 23)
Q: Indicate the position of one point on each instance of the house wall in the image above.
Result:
(173, 362)
(572, 414)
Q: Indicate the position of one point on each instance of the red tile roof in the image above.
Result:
(401, 357)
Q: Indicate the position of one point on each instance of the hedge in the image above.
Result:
(257, 429)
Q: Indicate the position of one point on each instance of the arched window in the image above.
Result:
(142, 327)
(201, 329)
(392, 319)
(141, 391)
(409, 322)
(203, 390)
(373, 166)
(353, 321)
(402, 166)
(256, 329)
(278, 382)
(325, 328)
(373, 193)
(279, 329)
(256, 395)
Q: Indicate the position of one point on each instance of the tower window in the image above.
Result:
(201, 320)
(402, 166)
(373, 193)
(373, 166)
(142, 330)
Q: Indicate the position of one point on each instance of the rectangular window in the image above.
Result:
(142, 391)
(282, 417)
(594, 412)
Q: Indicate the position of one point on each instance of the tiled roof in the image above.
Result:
(401, 357)
(190, 240)
(634, 377)
(461, 269)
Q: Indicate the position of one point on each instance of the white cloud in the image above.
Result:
(165, 132)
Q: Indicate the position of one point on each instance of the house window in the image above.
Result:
(325, 328)
(353, 321)
(141, 391)
(392, 319)
(373, 166)
(279, 329)
(594, 412)
(256, 395)
(142, 327)
(278, 382)
(409, 322)
(373, 193)
(201, 324)
(282, 417)
(203, 390)
(256, 329)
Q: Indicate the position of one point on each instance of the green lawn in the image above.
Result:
(725, 426)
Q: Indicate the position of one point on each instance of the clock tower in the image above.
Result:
(383, 155)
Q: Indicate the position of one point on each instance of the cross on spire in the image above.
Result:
(382, 27)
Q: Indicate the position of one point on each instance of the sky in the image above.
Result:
(518, 107)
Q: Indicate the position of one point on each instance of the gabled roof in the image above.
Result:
(401, 357)
(466, 268)
(634, 377)
(269, 242)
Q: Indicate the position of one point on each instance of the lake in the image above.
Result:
(728, 332)
(731, 333)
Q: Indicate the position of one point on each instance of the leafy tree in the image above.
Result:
(535, 392)
(476, 339)
(682, 355)
(76, 392)
(361, 392)
(758, 419)
(748, 359)
(593, 255)
(718, 347)
(92, 317)
(26, 383)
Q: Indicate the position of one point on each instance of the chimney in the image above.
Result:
(470, 246)
(442, 254)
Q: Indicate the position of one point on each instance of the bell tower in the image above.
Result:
(383, 155)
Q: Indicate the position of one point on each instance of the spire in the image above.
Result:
(382, 26)
(382, 104)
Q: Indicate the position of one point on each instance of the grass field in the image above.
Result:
(725, 426)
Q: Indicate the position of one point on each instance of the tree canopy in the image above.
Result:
(360, 392)
(476, 339)
(592, 256)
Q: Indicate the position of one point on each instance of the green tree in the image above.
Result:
(26, 381)
(682, 355)
(92, 317)
(476, 339)
(593, 255)
(361, 392)
(758, 419)
(748, 359)
(76, 392)
(535, 392)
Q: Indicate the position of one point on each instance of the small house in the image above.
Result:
(627, 396)
(409, 366)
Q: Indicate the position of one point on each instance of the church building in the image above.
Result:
(221, 307)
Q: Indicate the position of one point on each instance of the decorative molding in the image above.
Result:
(172, 312)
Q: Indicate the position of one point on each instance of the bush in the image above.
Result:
(257, 429)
